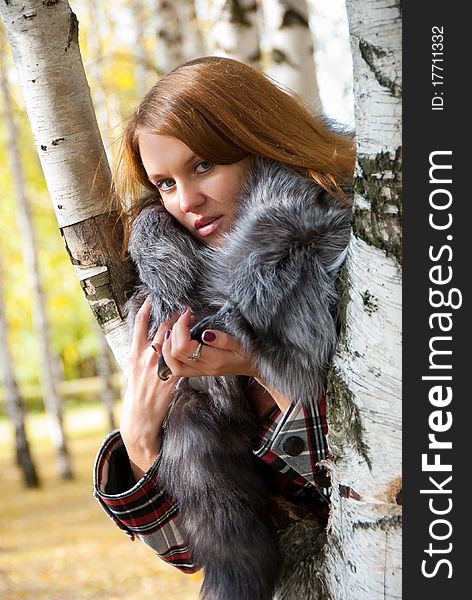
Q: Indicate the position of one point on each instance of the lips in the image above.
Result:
(208, 225)
(203, 221)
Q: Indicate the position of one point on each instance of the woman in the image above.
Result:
(244, 225)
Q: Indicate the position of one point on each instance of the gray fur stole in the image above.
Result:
(270, 284)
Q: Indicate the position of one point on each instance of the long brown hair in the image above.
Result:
(224, 111)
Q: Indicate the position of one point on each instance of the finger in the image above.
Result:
(182, 344)
(221, 341)
(141, 324)
(179, 368)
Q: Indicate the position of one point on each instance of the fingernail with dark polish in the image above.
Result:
(167, 335)
(208, 336)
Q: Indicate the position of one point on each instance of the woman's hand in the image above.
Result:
(221, 355)
(147, 398)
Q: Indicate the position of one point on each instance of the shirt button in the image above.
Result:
(294, 445)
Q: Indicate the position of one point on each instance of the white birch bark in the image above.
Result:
(44, 39)
(193, 44)
(363, 552)
(234, 32)
(138, 47)
(51, 397)
(102, 99)
(289, 43)
(169, 36)
(107, 394)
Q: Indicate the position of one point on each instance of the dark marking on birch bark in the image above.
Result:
(378, 60)
(383, 523)
(95, 243)
(343, 286)
(97, 287)
(239, 14)
(50, 2)
(279, 57)
(57, 141)
(352, 566)
(379, 183)
(292, 18)
(29, 16)
(170, 37)
(256, 57)
(73, 36)
(100, 297)
(105, 311)
(43, 147)
(344, 417)
(370, 302)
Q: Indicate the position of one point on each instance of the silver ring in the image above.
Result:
(196, 355)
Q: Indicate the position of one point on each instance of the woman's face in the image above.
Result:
(198, 193)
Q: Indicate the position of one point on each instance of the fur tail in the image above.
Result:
(208, 467)
(276, 276)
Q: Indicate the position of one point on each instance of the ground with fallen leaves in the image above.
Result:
(57, 544)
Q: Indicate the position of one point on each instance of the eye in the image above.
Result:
(203, 166)
(165, 185)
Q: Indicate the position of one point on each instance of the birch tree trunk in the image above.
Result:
(101, 98)
(289, 42)
(234, 33)
(14, 405)
(141, 57)
(51, 396)
(44, 39)
(193, 44)
(363, 550)
(107, 394)
(169, 36)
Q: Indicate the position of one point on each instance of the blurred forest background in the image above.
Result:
(54, 540)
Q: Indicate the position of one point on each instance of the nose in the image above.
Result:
(190, 196)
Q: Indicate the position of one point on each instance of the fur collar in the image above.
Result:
(271, 283)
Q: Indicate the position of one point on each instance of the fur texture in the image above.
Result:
(271, 284)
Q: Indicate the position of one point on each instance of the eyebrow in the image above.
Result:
(190, 159)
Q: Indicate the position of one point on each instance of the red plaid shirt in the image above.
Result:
(292, 443)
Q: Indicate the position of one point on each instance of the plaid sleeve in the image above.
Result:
(139, 508)
(295, 442)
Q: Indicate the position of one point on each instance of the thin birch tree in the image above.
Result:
(14, 404)
(107, 393)
(363, 550)
(44, 40)
(290, 45)
(234, 32)
(169, 36)
(141, 56)
(193, 44)
(51, 396)
(102, 98)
